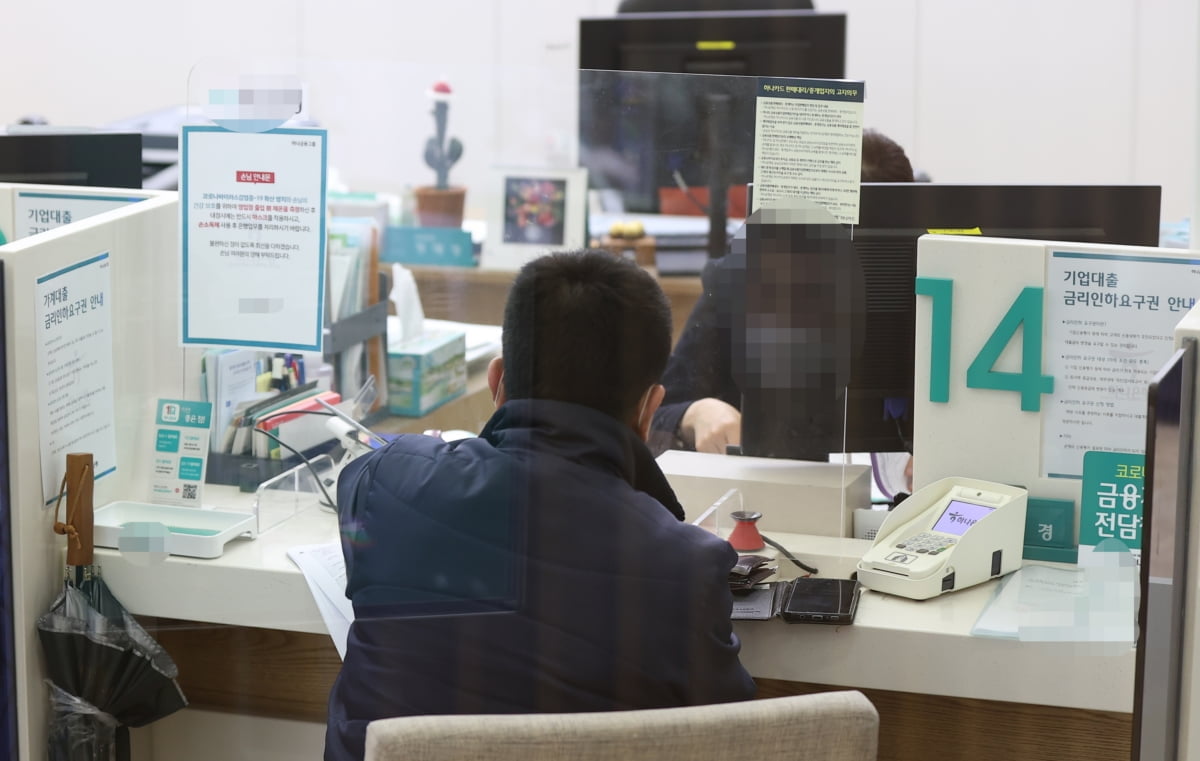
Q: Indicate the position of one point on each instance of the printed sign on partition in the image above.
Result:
(253, 238)
(1110, 324)
(35, 213)
(75, 375)
(808, 144)
(1110, 515)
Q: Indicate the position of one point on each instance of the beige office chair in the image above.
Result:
(829, 726)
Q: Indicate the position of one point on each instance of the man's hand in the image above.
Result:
(709, 425)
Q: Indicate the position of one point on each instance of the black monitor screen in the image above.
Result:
(1164, 571)
(865, 398)
(96, 159)
(637, 130)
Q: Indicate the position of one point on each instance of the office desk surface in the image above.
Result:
(895, 644)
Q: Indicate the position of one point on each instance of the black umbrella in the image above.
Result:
(106, 672)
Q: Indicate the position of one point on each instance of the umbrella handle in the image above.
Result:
(80, 518)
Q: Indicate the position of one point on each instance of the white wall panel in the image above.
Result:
(881, 49)
(1165, 102)
(1026, 91)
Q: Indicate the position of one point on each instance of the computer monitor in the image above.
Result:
(96, 159)
(638, 128)
(864, 400)
(1166, 510)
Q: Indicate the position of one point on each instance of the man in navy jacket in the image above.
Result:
(543, 566)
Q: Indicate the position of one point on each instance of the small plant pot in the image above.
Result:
(440, 208)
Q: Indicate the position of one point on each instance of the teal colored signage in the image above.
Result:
(190, 468)
(1110, 517)
(167, 440)
(446, 246)
(1023, 318)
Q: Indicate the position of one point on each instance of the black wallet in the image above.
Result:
(750, 571)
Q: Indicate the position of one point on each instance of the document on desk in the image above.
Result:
(1047, 604)
(324, 569)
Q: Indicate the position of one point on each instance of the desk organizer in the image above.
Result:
(191, 531)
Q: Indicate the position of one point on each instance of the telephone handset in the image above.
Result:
(951, 534)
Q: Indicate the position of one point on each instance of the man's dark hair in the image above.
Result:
(883, 160)
(588, 328)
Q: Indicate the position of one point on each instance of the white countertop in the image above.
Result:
(894, 644)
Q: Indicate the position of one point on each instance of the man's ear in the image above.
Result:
(646, 409)
(495, 379)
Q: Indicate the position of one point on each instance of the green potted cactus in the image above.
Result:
(441, 205)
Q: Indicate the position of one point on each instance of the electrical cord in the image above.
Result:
(789, 556)
(329, 502)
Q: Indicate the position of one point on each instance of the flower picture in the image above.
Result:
(534, 210)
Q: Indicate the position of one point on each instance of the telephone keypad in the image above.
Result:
(927, 543)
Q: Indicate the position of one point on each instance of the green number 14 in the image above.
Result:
(1026, 313)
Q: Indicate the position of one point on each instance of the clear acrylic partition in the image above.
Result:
(654, 150)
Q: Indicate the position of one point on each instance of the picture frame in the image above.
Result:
(532, 212)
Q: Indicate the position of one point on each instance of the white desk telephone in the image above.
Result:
(952, 534)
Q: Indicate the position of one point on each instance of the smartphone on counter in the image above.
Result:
(821, 601)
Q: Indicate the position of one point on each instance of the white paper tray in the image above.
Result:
(191, 531)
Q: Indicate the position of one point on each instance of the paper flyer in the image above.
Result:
(75, 369)
(808, 144)
(253, 206)
(181, 430)
(1109, 325)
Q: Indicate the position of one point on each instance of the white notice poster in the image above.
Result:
(808, 144)
(253, 206)
(1110, 325)
(75, 376)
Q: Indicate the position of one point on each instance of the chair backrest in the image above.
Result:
(829, 726)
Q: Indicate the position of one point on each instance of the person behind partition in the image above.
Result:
(544, 566)
(700, 410)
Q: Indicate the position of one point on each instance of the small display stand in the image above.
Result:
(296, 490)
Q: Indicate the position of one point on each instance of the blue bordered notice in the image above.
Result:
(35, 213)
(181, 430)
(1109, 325)
(808, 144)
(75, 369)
(253, 238)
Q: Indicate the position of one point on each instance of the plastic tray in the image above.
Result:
(191, 531)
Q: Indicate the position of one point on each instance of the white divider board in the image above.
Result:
(142, 240)
(9, 192)
(985, 433)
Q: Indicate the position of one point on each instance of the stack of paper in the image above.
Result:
(325, 571)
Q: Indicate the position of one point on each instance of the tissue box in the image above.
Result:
(426, 372)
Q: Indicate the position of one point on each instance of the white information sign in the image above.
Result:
(808, 144)
(1110, 324)
(253, 238)
(180, 452)
(75, 376)
(38, 212)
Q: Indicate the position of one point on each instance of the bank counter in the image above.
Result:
(249, 640)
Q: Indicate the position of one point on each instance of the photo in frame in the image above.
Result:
(533, 212)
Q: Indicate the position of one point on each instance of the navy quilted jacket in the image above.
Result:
(542, 567)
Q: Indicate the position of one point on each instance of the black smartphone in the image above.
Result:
(821, 601)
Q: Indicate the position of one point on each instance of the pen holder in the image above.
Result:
(745, 536)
